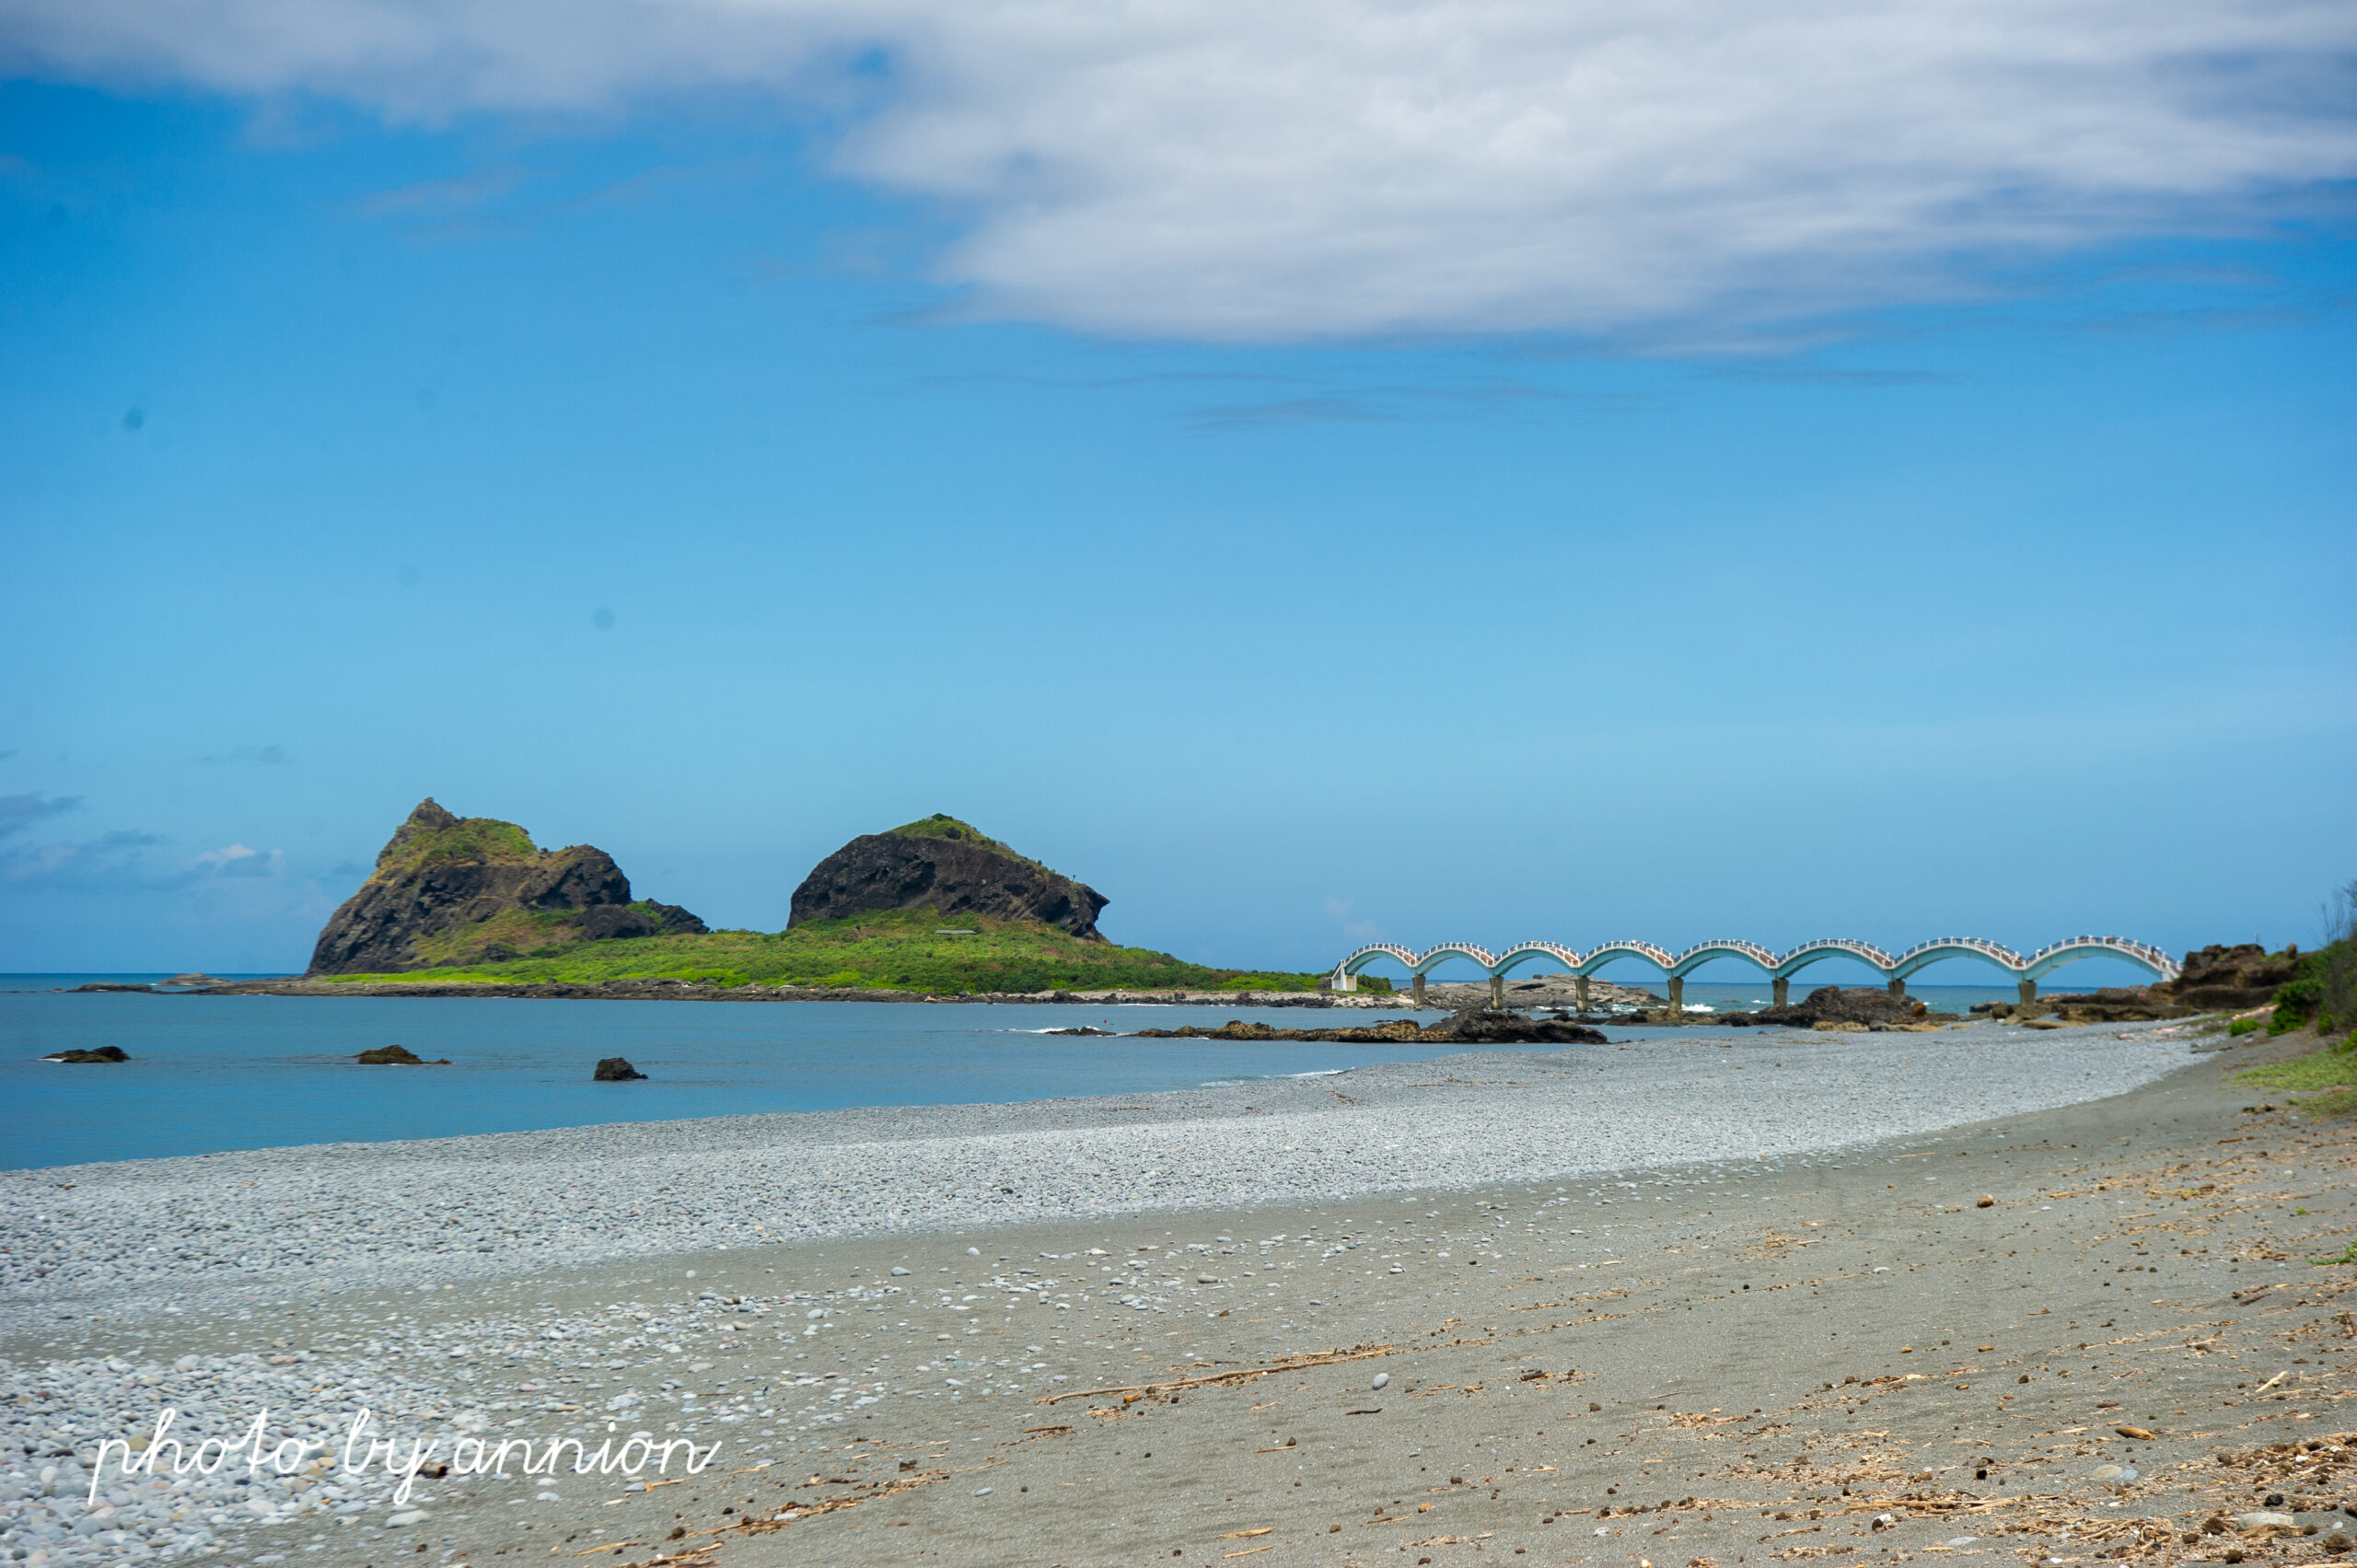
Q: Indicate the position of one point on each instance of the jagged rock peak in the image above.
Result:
(942, 864)
(452, 890)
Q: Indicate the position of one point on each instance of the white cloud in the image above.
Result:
(1228, 169)
(237, 860)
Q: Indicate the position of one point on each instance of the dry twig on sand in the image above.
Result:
(1242, 1375)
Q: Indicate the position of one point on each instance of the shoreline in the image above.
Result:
(1666, 1296)
(585, 1193)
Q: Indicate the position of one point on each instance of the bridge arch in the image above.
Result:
(1809, 953)
(1702, 953)
(1606, 952)
(1924, 954)
(1440, 953)
(2071, 949)
(1522, 953)
(1358, 961)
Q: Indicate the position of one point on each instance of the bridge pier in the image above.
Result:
(1579, 986)
(1899, 990)
(1497, 992)
(1345, 981)
(2029, 992)
(1420, 989)
(1783, 984)
(1677, 995)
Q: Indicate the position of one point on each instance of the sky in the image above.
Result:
(1317, 474)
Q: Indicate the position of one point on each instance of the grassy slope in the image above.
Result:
(898, 951)
(2317, 998)
(471, 838)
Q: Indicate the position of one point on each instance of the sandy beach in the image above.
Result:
(1626, 1304)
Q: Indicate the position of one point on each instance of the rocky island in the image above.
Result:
(933, 909)
(942, 866)
(457, 890)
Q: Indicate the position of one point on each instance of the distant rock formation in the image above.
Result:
(2245, 975)
(103, 1053)
(451, 889)
(615, 1070)
(1863, 1006)
(946, 865)
(1473, 1026)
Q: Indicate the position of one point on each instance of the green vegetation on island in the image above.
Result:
(916, 950)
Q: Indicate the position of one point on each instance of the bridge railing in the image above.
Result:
(1890, 965)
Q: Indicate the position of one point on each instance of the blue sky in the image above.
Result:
(715, 448)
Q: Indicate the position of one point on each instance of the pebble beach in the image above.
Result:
(675, 1279)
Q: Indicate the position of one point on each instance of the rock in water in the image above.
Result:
(396, 1056)
(1484, 1027)
(1474, 1026)
(1832, 1005)
(615, 1070)
(945, 865)
(451, 889)
(103, 1053)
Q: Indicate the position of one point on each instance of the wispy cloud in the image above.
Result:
(441, 198)
(1221, 417)
(19, 812)
(114, 860)
(1822, 376)
(1237, 170)
(237, 860)
(121, 862)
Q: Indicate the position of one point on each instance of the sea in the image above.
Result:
(208, 1074)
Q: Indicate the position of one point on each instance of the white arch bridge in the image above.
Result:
(1778, 967)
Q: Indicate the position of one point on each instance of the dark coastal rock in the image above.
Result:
(396, 1056)
(1479, 1025)
(2118, 1005)
(2112, 1005)
(615, 1070)
(470, 889)
(944, 864)
(103, 1053)
(118, 985)
(1084, 1030)
(2216, 976)
(1474, 1026)
(1867, 1007)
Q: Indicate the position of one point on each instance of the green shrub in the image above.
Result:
(2243, 1026)
(2323, 990)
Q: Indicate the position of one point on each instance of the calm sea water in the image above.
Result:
(212, 1073)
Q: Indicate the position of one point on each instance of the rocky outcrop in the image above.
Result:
(452, 890)
(1834, 1007)
(2245, 975)
(946, 865)
(616, 1069)
(1475, 1026)
(103, 1053)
